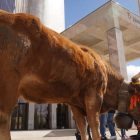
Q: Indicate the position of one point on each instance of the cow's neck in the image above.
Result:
(123, 97)
(125, 86)
(111, 97)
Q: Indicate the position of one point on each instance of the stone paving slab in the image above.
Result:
(63, 134)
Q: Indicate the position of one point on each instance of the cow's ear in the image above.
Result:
(135, 79)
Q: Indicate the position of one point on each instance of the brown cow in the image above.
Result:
(44, 67)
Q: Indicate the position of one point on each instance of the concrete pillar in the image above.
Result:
(115, 46)
(53, 117)
(138, 2)
(71, 119)
(50, 12)
(31, 110)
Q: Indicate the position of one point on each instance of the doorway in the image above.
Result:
(62, 116)
(19, 117)
(41, 116)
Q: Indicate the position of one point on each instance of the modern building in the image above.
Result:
(111, 30)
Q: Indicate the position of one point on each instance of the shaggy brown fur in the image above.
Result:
(44, 67)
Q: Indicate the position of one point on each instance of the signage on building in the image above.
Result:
(134, 19)
(129, 15)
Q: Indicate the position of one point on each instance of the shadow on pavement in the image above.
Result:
(63, 133)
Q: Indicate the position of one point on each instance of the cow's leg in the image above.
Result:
(8, 100)
(80, 121)
(4, 126)
(5, 114)
(93, 105)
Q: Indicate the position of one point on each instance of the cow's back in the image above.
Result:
(31, 50)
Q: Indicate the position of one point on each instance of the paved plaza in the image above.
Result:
(63, 134)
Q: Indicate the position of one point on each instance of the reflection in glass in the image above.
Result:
(14, 119)
(18, 118)
(62, 116)
(21, 100)
(22, 116)
(41, 116)
(7, 5)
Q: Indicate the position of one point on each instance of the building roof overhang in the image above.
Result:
(92, 30)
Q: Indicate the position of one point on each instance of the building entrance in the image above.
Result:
(62, 116)
(19, 117)
(41, 116)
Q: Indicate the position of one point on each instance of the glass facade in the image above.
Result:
(19, 117)
(62, 116)
(41, 116)
(7, 5)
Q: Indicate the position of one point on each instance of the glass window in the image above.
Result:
(21, 100)
(41, 116)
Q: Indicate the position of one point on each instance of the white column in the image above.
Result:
(53, 16)
(138, 2)
(31, 110)
(71, 119)
(53, 117)
(50, 12)
(115, 46)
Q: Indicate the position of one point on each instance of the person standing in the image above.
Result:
(103, 122)
(111, 125)
(123, 133)
(107, 119)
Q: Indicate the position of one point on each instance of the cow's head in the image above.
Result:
(135, 85)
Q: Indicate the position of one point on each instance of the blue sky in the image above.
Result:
(77, 9)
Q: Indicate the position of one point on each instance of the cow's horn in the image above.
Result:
(136, 77)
